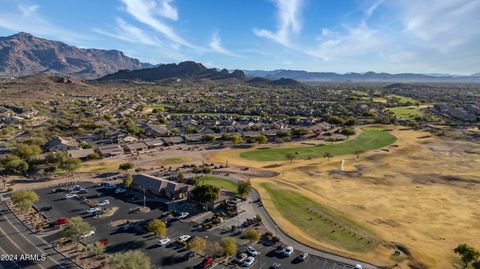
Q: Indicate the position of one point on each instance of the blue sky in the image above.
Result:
(426, 36)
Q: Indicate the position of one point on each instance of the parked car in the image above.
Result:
(189, 255)
(94, 210)
(103, 242)
(87, 234)
(110, 186)
(358, 266)
(46, 208)
(164, 241)
(70, 195)
(241, 257)
(248, 262)
(76, 188)
(184, 238)
(280, 249)
(288, 251)
(82, 191)
(57, 190)
(103, 203)
(60, 221)
(303, 256)
(252, 251)
(207, 262)
(120, 190)
(276, 266)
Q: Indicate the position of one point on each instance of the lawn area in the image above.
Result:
(219, 182)
(319, 222)
(403, 99)
(406, 112)
(370, 138)
(173, 160)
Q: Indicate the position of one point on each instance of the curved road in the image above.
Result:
(272, 226)
(16, 242)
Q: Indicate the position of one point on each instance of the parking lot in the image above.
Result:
(137, 238)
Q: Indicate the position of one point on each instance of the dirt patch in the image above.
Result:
(272, 166)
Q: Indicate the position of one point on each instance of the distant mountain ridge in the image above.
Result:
(301, 75)
(196, 71)
(24, 54)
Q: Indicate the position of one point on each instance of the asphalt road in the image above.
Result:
(22, 249)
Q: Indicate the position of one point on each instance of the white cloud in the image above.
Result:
(216, 46)
(442, 25)
(127, 32)
(354, 42)
(289, 22)
(148, 11)
(27, 19)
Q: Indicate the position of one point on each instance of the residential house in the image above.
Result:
(62, 144)
(110, 150)
(81, 154)
(135, 147)
(154, 143)
(173, 140)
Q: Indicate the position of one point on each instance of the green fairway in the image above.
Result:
(319, 222)
(406, 112)
(370, 138)
(219, 182)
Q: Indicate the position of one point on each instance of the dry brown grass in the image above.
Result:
(422, 193)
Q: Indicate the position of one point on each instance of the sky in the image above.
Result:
(421, 36)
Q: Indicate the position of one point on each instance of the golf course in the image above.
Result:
(370, 138)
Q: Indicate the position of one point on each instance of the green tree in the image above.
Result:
(126, 166)
(127, 181)
(132, 259)
(291, 156)
(300, 131)
(467, 253)
(70, 164)
(229, 245)
(206, 193)
(209, 138)
(96, 249)
(348, 131)
(327, 155)
(236, 139)
(243, 188)
(197, 245)
(26, 152)
(157, 227)
(261, 139)
(13, 164)
(75, 228)
(24, 199)
(252, 234)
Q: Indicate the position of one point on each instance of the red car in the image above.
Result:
(60, 221)
(207, 262)
(103, 242)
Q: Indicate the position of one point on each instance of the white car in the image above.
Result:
(183, 215)
(120, 190)
(71, 195)
(87, 234)
(248, 262)
(252, 251)
(93, 210)
(303, 256)
(288, 251)
(103, 203)
(184, 238)
(358, 266)
(164, 241)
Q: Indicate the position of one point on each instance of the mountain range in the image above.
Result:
(301, 75)
(24, 54)
(195, 71)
